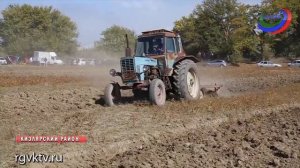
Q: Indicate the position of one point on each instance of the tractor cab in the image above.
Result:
(160, 44)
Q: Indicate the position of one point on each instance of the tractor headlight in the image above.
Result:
(146, 68)
(113, 72)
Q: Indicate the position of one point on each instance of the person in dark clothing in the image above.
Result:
(159, 49)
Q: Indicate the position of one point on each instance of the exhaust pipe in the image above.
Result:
(128, 49)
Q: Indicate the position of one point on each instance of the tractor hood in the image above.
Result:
(131, 66)
(138, 61)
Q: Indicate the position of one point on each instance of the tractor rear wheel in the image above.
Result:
(157, 92)
(112, 93)
(186, 80)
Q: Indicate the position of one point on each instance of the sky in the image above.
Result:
(94, 16)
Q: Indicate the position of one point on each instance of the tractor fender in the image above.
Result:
(190, 57)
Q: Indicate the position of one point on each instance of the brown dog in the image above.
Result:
(209, 92)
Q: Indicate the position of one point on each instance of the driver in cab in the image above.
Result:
(158, 48)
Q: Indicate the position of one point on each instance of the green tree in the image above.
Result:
(193, 42)
(113, 39)
(215, 21)
(223, 27)
(245, 43)
(287, 44)
(2, 52)
(25, 29)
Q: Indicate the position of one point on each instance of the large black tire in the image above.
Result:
(186, 83)
(111, 94)
(157, 92)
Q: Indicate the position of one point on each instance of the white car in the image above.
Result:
(217, 63)
(91, 62)
(295, 63)
(268, 64)
(79, 61)
(58, 62)
(3, 61)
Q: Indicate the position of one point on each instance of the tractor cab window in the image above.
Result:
(177, 45)
(170, 45)
(150, 46)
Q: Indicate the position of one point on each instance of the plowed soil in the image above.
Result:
(254, 122)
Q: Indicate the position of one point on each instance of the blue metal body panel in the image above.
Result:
(139, 63)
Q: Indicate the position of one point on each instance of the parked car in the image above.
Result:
(295, 63)
(3, 61)
(79, 61)
(13, 59)
(217, 63)
(268, 64)
(91, 62)
(58, 62)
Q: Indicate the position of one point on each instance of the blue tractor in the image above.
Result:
(158, 67)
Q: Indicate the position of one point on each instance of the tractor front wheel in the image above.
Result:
(112, 93)
(157, 92)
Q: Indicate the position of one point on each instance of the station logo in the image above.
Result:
(275, 24)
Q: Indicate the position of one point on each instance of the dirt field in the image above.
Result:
(254, 122)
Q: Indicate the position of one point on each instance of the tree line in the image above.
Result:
(24, 29)
(225, 29)
(215, 29)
